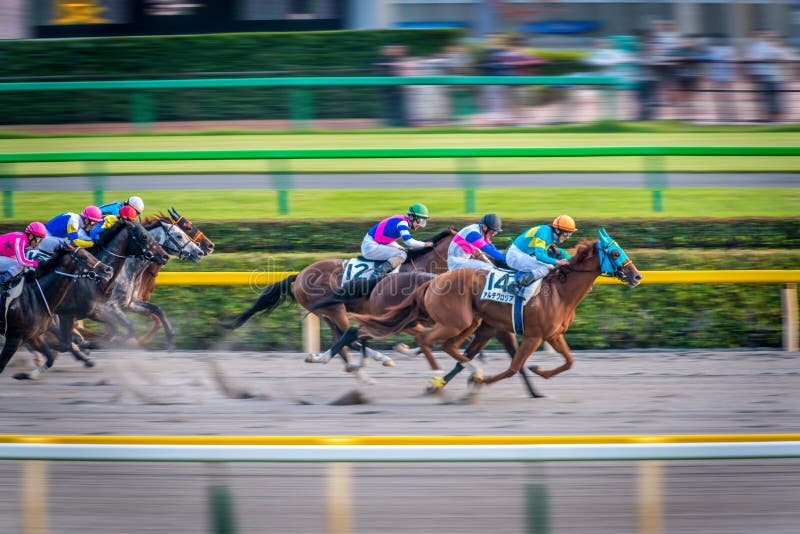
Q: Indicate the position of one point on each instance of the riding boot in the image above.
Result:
(6, 281)
(382, 269)
(520, 282)
(2, 314)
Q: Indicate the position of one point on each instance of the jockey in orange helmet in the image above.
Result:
(534, 253)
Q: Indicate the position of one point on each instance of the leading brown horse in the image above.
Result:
(452, 305)
(324, 278)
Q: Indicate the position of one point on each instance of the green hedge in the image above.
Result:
(611, 317)
(174, 56)
(323, 236)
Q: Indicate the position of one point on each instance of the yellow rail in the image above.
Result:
(261, 279)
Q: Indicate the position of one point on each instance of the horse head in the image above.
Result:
(173, 239)
(61, 257)
(609, 259)
(615, 262)
(142, 244)
(192, 231)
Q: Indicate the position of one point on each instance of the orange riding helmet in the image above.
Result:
(565, 223)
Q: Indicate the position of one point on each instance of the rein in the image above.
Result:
(169, 238)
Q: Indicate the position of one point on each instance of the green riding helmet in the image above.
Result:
(418, 211)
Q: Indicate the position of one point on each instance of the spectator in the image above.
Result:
(646, 79)
(391, 63)
(457, 62)
(769, 67)
(688, 60)
(665, 41)
(721, 75)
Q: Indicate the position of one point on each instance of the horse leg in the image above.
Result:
(417, 331)
(66, 344)
(10, 347)
(146, 308)
(559, 344)
(41, 346)
(336, 334)
(526, 348)
(479, 341)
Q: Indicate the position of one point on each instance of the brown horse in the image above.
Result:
(452, 305)
(323, 279)
(391, 291)
(30, 315)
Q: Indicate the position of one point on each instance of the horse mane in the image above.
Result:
(583, 251)
(150, 222)
(417, 252)
(108, 234)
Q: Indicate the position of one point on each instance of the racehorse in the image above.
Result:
(323, 279)
(451, 304)
(147, 283)
(137, 270)
(115, 244)
(30, 315)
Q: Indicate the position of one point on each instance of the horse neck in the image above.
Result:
(432, 261)
(577, 285)
(129, 279)
(113, 252)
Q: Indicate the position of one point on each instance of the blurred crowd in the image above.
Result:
(663, 75)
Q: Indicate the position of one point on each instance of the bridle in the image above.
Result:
(86, 272)
(169, 238)
(198, 233)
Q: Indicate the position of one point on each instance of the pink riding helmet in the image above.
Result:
(36, 228)
(92, 213)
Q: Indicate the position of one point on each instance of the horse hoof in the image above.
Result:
(402, 348)
(475, 379)
(352, 368)
(388, 362)
(88, 363)
(22, 376)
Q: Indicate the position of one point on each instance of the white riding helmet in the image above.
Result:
(136, 203)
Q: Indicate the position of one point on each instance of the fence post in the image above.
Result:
(97, 179)
(9, 184)
(311, 343)
(281, 178)
(789, 305)
(300, 107)
(339, 490)
(537, 502)
(34, 497)
(656, 179)
(142, 110)
(221, 515)
(650, 502)
(470, 179)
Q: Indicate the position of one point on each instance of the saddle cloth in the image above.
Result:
(496, 285)
(13, 293)
(360, 268)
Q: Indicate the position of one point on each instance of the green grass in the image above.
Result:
(397, 139)
(443, 203)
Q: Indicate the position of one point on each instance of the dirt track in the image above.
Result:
(135, 392)
(132, 392)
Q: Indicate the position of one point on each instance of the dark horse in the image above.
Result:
(116, 243)
(30, 315)
(323, 278)
(451, 304)
(148, 280)
(138, 271)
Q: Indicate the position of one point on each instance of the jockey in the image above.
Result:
(380, 241)
(75, 228)
(534, 253)
(113, 208)
(475, 240)
(125, 212)
(12, 252)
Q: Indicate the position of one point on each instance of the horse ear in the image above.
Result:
(602, 234)
(174, 213)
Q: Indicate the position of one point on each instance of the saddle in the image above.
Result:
(360, 268)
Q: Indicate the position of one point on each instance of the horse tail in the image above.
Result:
(396, 318)
(270, 298)
(353, 290)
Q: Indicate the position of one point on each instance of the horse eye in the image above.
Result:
(615, 254)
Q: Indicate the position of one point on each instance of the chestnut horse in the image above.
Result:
(322, 279)
(452, 304)
(391, 291)
(29, 316)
